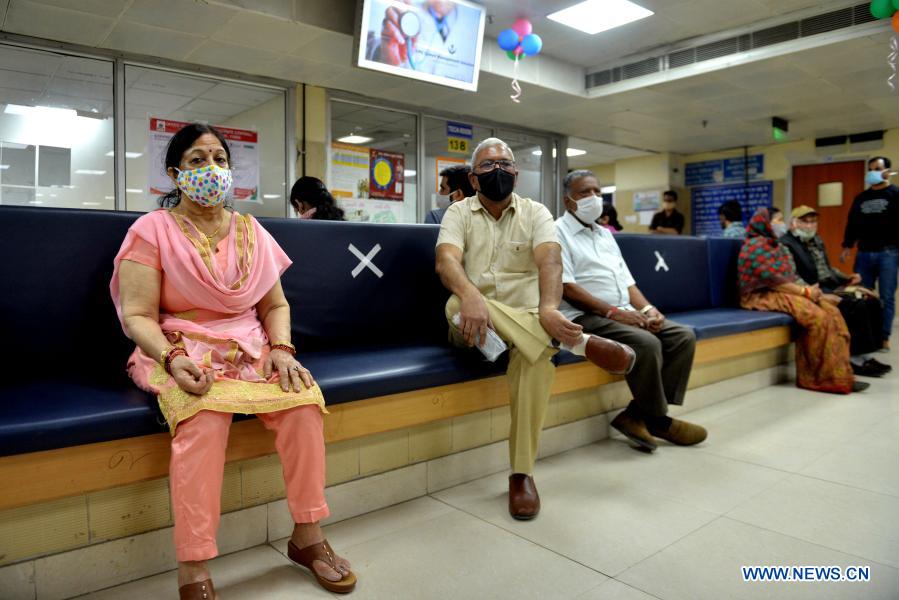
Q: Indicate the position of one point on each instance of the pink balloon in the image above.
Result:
(522, 27)
(518, 51)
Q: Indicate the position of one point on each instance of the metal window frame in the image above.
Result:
(120, 60)
(551, 185)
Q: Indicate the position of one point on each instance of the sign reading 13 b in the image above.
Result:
(457, 145)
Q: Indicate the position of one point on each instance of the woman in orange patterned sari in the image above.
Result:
(768, 281)
(198, 289)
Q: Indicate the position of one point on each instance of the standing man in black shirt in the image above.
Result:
(874, 224)
(668, 220)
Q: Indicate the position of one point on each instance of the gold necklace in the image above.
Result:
(209, 236)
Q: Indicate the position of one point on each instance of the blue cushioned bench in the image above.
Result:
(364, 331)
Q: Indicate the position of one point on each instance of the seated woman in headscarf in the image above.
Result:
(768, 281)
(197, 286)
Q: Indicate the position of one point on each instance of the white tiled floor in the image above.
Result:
(787, 477)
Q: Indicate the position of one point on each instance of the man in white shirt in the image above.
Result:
(601, 295)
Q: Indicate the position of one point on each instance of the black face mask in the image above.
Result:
(496, 185)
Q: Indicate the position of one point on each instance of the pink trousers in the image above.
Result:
(197, 468)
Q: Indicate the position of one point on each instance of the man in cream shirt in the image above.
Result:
(498, 254)
(601, 295)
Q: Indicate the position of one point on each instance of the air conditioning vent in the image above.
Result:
(786, 32)
(831, 21)
(638, 69)
(717, 49)
(775, 35)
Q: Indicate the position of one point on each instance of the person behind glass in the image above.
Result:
(860, 307)
(768, 282)
(668, 221)
(600, 294)
(197, 287)
(873, 224)
(609, 219)
(454, 186)
(730, 214)
(312, 200)
(499, 256)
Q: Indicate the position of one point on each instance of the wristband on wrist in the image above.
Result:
(285, 346)
(170, 356)
(647, 308)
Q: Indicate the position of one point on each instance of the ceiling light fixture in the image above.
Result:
(594, 16)
(39, 111)
(355, 139)
(609, 189)
(89, 172)
(127, 154)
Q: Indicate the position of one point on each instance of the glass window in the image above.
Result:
(530, 153)
(444, 147)
(56, 130)
(157, 103)
(372, 166)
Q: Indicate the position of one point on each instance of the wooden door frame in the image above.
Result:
(788, 191)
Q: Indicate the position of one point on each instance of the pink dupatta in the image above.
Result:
(208, 306)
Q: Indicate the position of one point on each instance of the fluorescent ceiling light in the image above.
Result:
(35, 202)
(569, 152)
(609, 189)
(593, 16)
(134, 191)
(3, 167)
(89, 172)
(109, 197)
(39, 111)
(355, 139)
(408, 173)
(271, 196)
(90, 203)
(127, 154)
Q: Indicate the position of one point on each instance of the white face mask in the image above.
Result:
(588, 209)
(779, 229)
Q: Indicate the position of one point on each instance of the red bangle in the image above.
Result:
(170, 356)
(289, 349)
(612, 312)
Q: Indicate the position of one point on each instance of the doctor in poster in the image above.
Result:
(435, 37)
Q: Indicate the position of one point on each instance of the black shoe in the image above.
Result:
(867, 370)
(884, 368)
(860, 386)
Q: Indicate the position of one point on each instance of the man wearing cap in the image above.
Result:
(860, 307)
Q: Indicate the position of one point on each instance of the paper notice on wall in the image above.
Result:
(386, 175)
(645, 217)
(651, 201)
(244, 147)
(349, 170)
(371, 211)
(630, 219)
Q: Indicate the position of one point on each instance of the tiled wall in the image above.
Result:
(83, 520)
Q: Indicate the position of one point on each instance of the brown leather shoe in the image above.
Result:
(610, 355)
(635, 430)
(201, 590)
(681, 433)
(524, 501)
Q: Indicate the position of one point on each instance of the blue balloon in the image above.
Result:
(531, 44)
(507, 39)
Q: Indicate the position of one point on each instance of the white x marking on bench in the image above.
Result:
(661, 264)
(365, 261)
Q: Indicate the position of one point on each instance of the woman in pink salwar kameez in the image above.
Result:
(197, 287)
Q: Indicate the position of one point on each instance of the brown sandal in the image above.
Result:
(321, 551)
(201, 590)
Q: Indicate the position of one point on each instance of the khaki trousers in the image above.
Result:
(530, 375)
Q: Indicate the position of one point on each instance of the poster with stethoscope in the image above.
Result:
(438, 41)
(244, 147)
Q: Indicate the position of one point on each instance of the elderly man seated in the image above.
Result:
(601, 295)
(860, 307)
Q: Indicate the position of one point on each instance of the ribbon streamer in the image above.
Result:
(891, 60)
(515, 86)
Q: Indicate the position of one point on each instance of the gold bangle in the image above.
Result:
(164, 354)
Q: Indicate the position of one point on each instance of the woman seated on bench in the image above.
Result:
(768, 281)
(198, 289)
